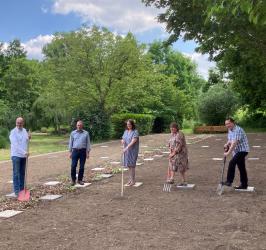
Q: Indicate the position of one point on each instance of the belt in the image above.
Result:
(79, 149)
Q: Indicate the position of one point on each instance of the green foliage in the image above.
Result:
(251, 119)
(183, 73)
(4, 141)
(216, 104)
(95, 121)
(19, 83)
(233, 33)
(4, 132)
(144, 123)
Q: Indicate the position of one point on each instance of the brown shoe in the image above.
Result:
(81, 183)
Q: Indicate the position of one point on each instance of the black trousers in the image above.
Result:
(239, 160)
(78, 155)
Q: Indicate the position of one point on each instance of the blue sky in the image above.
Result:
(34, 22)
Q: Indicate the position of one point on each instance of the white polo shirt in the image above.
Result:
(19, 139)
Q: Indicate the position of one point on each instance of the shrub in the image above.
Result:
(255, 119)
(4, 132)
(4, 140)
(162, 123)
(216, 104)
(144, 123)
(95, 121)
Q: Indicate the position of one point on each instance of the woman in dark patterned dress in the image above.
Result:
(130, 142)
(178, 157)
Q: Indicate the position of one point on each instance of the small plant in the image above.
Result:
(97, 177)
(63, 178)
(116, 170)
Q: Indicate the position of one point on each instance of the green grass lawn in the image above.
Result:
(40, 144)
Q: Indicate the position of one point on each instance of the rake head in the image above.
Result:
(167, 187)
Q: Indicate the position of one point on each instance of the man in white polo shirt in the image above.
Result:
(19, 139)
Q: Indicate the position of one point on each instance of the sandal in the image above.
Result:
(170, 181)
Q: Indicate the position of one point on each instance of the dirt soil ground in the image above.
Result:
(147, 217)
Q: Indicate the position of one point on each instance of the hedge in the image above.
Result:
(144, 123)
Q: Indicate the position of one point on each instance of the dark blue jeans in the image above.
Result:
(19, 165)
(239, 160)
(78, 155)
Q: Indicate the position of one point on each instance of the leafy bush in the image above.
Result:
(216, 104)
(95, 121)
(144, 123)
(4, 141)
(4, 132)
(255, 119)
(162, 123)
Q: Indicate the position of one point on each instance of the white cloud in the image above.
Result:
(122, 15)
(202, 62)
(34, 46)
(44, 9)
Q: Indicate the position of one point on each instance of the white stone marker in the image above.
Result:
(139, 163)
(50, 197)
(144, 146)
(253, 159)
(218, 139)
(137, 184)
(52, 183)
(82, 186)
(104, 157)
(115, 162)
(165, 152)
(106, 175)
(249, 189)
(12, 195)
(125, 169)
(98, 169)
(148, 159)
(104, 146)
(10, 182)
(9, 213)
(217, 159)
(188, 186)
(256, 146)
(205, 146)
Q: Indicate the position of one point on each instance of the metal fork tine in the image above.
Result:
(167, 187)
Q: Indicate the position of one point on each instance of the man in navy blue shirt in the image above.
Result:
(79, 150)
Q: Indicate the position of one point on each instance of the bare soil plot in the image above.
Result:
(147, 218)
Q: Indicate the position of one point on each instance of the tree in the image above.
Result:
(182, 71)
(15, 50)
(215, 78)
(216, 104)
(232, 32)
(19, 82)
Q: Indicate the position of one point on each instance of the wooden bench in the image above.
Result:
(210, 129)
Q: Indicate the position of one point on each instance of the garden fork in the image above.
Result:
(167, 187)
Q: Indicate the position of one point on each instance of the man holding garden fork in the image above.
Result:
(237, 144)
